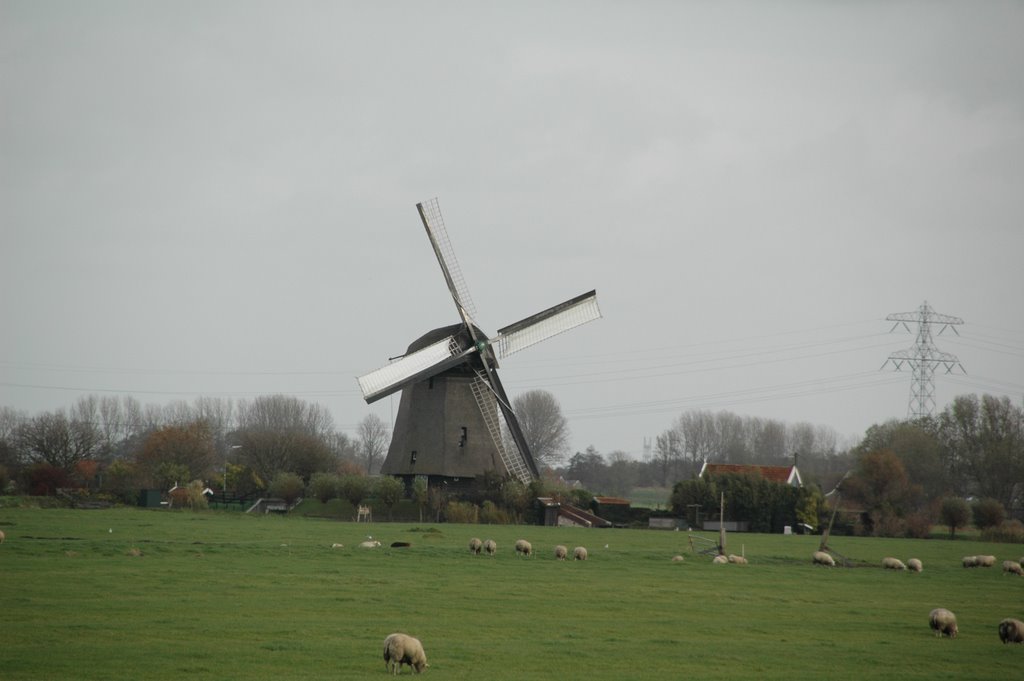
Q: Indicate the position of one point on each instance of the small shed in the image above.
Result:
(549, 510)
(615, 509)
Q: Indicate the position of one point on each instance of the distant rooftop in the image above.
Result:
(788, 475)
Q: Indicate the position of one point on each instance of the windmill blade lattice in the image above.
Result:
(543, 325)
(430, 360)
(433, 222)
(512, 458)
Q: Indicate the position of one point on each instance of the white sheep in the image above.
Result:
(822, 558)
(402, 649)
(369, 544)
(986, 561)
(579, 553)
(890, 563)
(970, 561)
(943, 622)
(915, 565)
(1013, 567)
(475, 545)
(337, 546)
(561, 552)
(678, 559)
(719, 560)
(738, 560)
(490, 547)
(1011, 631)
(524, 548)
(2, 537)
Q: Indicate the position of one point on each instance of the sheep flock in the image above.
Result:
(404, 650)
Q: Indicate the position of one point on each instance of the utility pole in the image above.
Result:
(923, 358)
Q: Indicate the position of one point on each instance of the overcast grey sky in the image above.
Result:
(218, 198)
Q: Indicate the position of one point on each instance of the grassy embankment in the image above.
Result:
(230, 596)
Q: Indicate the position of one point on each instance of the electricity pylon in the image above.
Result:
(923, 357)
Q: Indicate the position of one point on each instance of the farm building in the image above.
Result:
(785, 474)
(614, 509)
(566, 515)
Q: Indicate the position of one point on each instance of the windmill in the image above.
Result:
(454, 414)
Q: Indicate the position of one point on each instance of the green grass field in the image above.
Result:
(230, 596)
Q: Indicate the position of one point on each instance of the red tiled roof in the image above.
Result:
(773, 473)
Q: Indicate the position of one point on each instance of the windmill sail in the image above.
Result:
(413, 367)
(517, 465)
(433, 222)
(543, 325)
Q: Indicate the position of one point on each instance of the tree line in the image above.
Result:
(116, 443)
(897, 477)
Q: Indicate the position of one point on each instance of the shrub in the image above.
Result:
(1009, 531)
(462, 512)
(918, 525)
(194, 496)
(324, 486)
(954, 513)
(389, 491)
(987, 513)
(354, 488)
(580, 498)
(44, 480)
(491, 514)
(287, 486)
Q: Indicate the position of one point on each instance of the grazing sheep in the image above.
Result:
(490, 547)
(678, 559)
(337, 546)
(579, 553)
(561, 552)
(890, 563)
(524, 548)
(2, 537)
(914, 565)
(1013, 566)
(369, 544)
(475, 545)
(719, 560)
(970, 561)
(943, 622)
(986, 561)
(822, 558)
(739, 560)
(1011, 631)
(402, 649)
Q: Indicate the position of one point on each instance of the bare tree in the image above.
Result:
(669, 454)
(699, 436)
(284, 413)
(545, 429)
(57, 440)
(373, 441)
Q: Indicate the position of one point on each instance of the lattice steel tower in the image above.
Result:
(923, 357)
